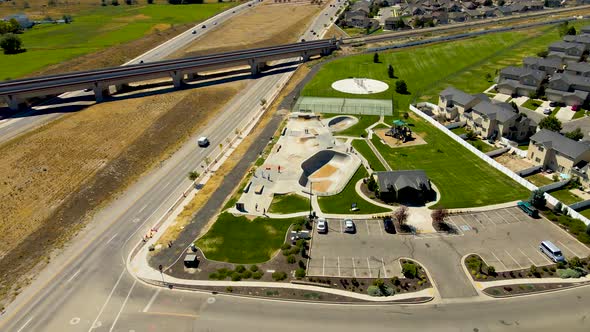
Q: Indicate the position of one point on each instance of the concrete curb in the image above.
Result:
(582, 284)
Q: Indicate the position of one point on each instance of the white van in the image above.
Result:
(552, 251)
(203, 141)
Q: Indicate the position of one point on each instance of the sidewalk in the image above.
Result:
(485, 208)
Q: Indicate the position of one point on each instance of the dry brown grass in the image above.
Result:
(335, 31)
(266, 25)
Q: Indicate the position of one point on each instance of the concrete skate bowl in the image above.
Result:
(329, 171)
(342, 122)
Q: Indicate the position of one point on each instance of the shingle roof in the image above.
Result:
(584, 39)
(579, 67)
(553, 63)
(457, 95)
(572, 79)
(494, 112)
(560, 143)
(566, 45)
(520, 71)
(397, 180)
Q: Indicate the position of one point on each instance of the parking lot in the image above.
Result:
(507, 238)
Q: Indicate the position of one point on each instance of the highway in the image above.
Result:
(86, 287)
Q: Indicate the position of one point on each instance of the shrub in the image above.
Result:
(247, 274)
(300, 273)
(410, 270)
(223, 273)
(229, 289)
(491, 271)
(236, 276)
(571, 273)
(254, 268)
(560, 265)
(474, 263)
(374, 291)
(395, 281)
(291, 259)
(279, 275)
(257, 275)
(575, 262)
(355, 282)
(214, 275)
(301, 264)
(286, 246)
(240, 268)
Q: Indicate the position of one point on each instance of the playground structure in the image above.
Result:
(401, 131)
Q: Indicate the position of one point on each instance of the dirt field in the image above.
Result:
(50, 181)
(395, 143)
(513, 162)
(266, 25)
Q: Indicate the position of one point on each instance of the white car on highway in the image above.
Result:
(203, 142)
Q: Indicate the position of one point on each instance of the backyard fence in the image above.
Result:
(580, 205)
(555, 185)
(529, 171)
(550, 199)
(514, 145)
(497, 152)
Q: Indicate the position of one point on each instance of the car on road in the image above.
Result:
(204, 26)
(388, 225)
(547, 111)
(194, 32)
(322, 226)
(349, 226)
(203, 142)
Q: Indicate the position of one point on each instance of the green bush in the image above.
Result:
(214, 276)
(491, 271)
(223, 273)
(571, 273)
(229, 289)
(300, 273)
(374, 291)
(474, 263)
(380, 291)
(301, 264)
(254, 268)
(286, 246)
(279, 275)
(240, 268)
(291, 259)
(236, 276)
(247, 274)
(257, 275)
(575, 262)
(395, 281)
(410, 270)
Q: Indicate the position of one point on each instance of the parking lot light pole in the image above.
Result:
(310, 190)
(160, 267)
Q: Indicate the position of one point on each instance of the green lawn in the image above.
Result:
(363, 147)
(459, 131)
(539, 180)
(358, 129)
(289, 203)
(428, 70)
(240, 240)
(579, 114)
(94, 30)
(523, 147)
(555, 110)
(481, 146)
(532, 104)
(565, 196)
(585, 212)
(341, 203)
(462, 178)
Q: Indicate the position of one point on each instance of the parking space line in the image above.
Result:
(568, 249)
(507, 253)
(490, 219)
(323, 265)
(479, 219)
(369, 264)
(341, 228)
(353, 267)
(527, 256)
(368, 231)
(498, 259)
(338, 266)
(380, 229)
(456, 227)
(498, 213)
(465, 221)
(384, 270)
(542, 255)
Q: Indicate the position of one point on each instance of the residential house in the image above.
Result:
(474, 14)
(394, 23)
(504, 11)
(440, 17)
(454, 102)
(566, 51)
(578, 68)
(549, 66)
(568, 89)
(492, 121)
(469, 5)
(554, 151)
(405, 186)
(520, 81)
(585, 30)
(453, 7)
(457, 17)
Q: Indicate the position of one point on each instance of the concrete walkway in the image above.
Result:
(485, 208)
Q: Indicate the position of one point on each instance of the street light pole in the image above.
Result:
(160, 267)
(310, 193)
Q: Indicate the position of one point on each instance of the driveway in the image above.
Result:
(505, 238)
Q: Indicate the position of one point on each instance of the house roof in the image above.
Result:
(457, 95)
(582, 67)
(494, 112)
(571, 79)
(566, 45)
(397, 180)
(552, 63)
(584, 39)
(521, 71)
(560, 143)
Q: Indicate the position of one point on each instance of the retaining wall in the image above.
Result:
(529, 171)
(580, 205)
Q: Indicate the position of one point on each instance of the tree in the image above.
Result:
(14, 26)
(11, 44)
(67, 19)
(491, 271)
(538, 199)
(439, 215)
(501, 2)
(550, 123)
(401, 87)
(470, 135)
(558, 207)
(571, 31)
(193, 175)
(406, 115)
(376, 58)
(150, 2)
(575, 134)
(487, 3)
(513, 104)
(115, 2)
(401, 214)
(390, 72)
(543, 53)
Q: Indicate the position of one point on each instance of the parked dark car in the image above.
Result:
(388, 225)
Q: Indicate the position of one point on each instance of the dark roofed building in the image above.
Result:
(557, 152)
(404, 186)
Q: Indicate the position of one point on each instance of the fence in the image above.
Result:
(529, 171)
(555, 185)
(455, 125)
(344, 106)
(515, 150)
(497, 152)
(550, 199)
(580, 205)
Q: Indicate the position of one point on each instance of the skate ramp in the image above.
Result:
(329, 170)
(342, 122)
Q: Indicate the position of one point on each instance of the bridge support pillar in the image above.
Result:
(305, 57)
(256, 66)
(121, 87)
(100, 92)
(15, 103)
(177, 79)
(192, 76)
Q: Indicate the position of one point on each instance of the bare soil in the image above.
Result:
(266, 25)
(522, 289)
(513, 162)
(395, 143)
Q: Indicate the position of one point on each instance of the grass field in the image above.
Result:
(539, 180)
(341, 203)
(532, 104)
(240, 240)
(459, 130)
(565, 196)
(97, 29)
(462, 178)
(481, 146)
(428, 70)
(290, 203)
(363, 147)
(358, 129)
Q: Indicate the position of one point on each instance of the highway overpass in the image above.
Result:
(16, 92)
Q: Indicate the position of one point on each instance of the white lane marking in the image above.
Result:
(107, 301)
(73, 276)
(498, 213)
(542, 255)
(112, 238)
(505, 268)
(353, 267)
(457, 227)
(122, 306)
(381, 230)
(323, 265)
(384, 270)
(369, 265)
(368, 231)
(339, 266)
(566, 247)
(25, 324)
(143, 208)
(527, 256)
(341, 229)
(149, 304)
(507, 253)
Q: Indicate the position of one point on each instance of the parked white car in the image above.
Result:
(322, 226)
